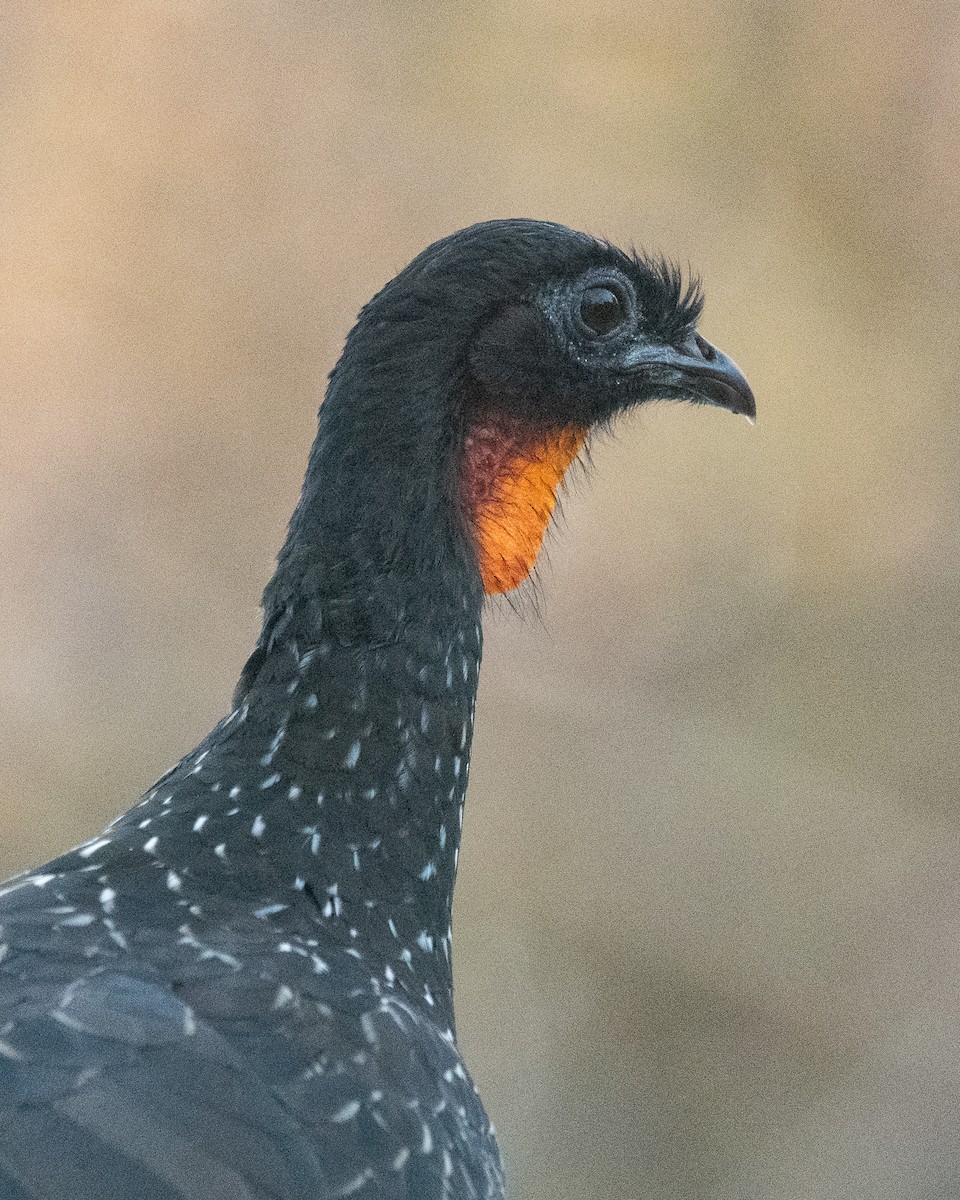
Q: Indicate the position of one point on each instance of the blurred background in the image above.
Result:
(709, 913)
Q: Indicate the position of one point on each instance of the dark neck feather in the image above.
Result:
(335, 788)
(378, 523)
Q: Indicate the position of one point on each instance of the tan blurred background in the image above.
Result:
(709, 912)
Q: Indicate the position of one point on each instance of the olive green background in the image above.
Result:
(708, 916)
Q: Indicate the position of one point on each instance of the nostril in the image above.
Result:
(705, 348)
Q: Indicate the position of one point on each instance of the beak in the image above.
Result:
(694, 371)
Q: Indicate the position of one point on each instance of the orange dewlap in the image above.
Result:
(509, 483)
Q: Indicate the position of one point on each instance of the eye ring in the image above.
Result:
(603, 307)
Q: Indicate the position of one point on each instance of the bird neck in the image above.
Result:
(378, 517)
(341, 773)
(333, 794)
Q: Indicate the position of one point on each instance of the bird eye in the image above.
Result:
(602, 309)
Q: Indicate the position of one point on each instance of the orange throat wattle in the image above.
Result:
(509, 481)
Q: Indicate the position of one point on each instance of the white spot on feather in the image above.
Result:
(93, 847)
(80, 920)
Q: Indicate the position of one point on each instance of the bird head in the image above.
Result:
(560, 334)
(474, 378)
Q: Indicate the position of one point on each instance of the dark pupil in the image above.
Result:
(600, 309)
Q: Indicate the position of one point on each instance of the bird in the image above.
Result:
(243, 986)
